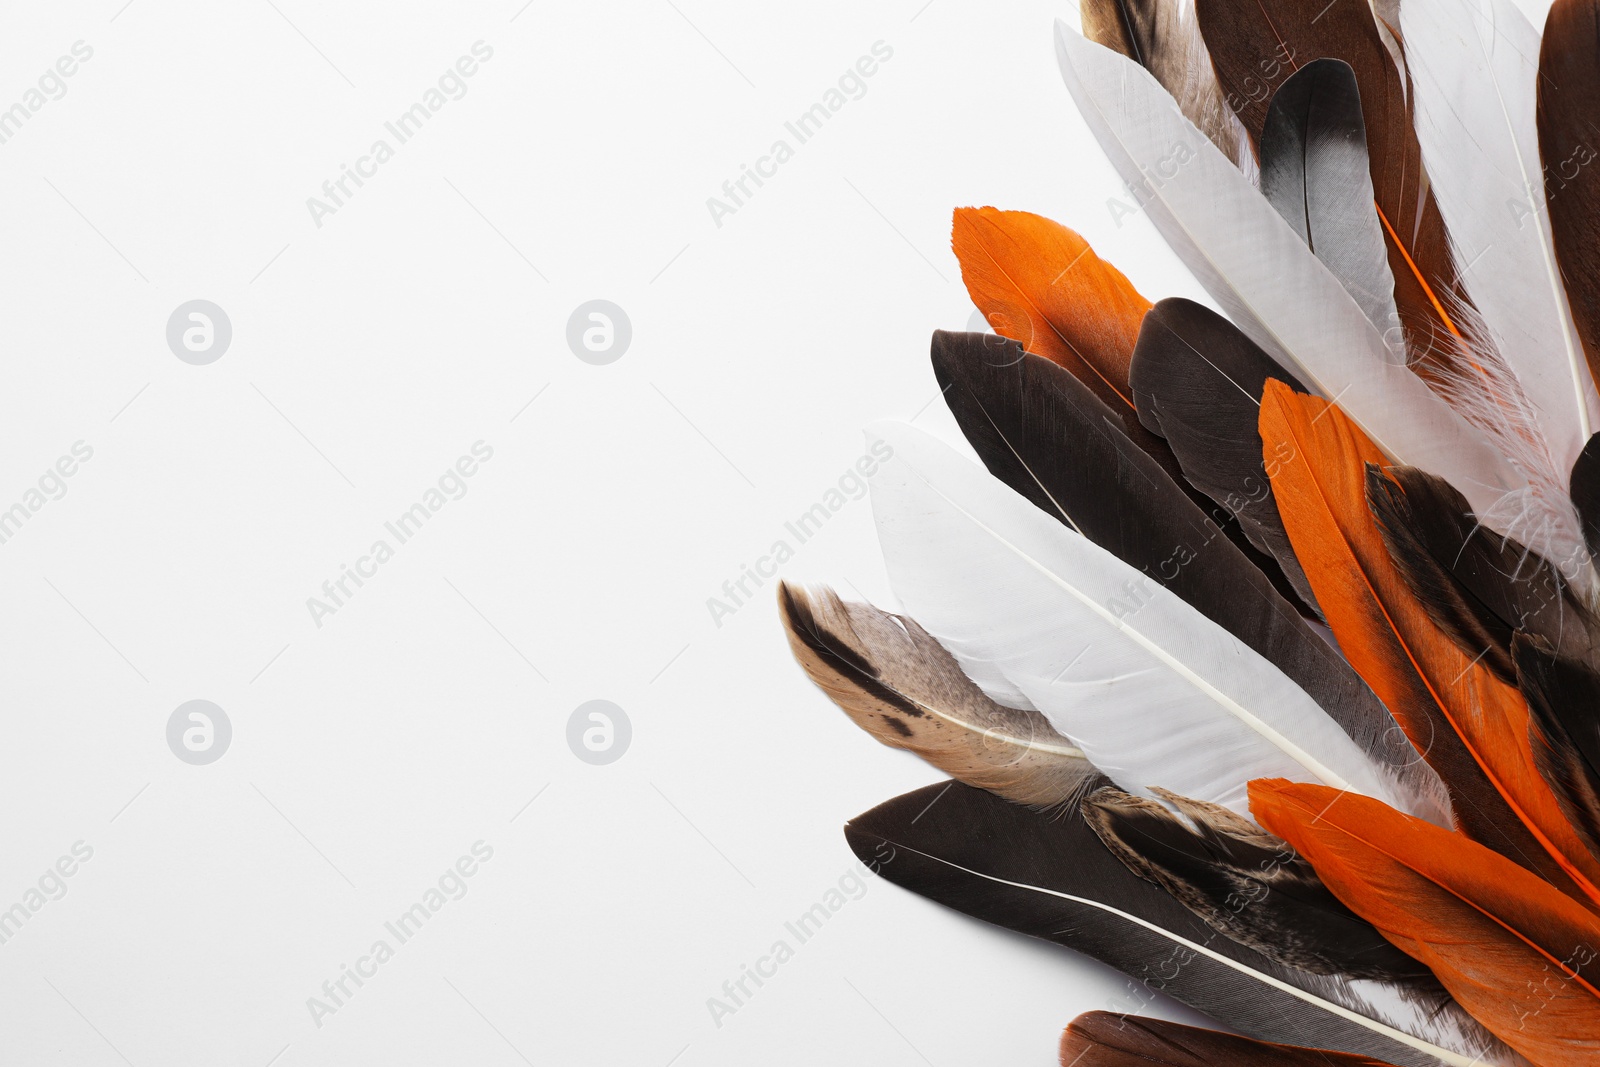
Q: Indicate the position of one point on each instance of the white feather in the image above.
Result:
(1475, 65)
(1264, 276)
(1153, 692)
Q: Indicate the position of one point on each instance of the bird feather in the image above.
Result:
(1153, 692)
(900, 686)
(1569, 149)
(1519, 955)
(1256, 47)
(1314, 172)
(1249, 885)
(1197, 382)
(1049, 876)
(1163, 36)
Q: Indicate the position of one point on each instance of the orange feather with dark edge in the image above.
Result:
(1469, 725)
(1040, 284)
(1522, 957)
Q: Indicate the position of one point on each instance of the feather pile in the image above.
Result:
(1264, 644)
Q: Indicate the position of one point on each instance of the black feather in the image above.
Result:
(1197, 381)
(1049, 876)
(983, 350)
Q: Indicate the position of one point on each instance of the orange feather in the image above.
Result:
(1039, 283)
(1521, 957)
(1469, 725)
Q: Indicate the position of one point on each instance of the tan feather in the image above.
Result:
(901, 686)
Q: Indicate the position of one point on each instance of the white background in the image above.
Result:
(368, 354)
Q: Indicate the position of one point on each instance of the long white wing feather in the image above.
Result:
(1153, 692)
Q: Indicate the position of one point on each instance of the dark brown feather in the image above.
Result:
(1102, 1039)
(1569, 142)
(1585, 490)
(1197, 381)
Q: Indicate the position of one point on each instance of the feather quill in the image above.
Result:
(1267, 280)
(898, 685)
(1050, 877)
(1468, 724)
(1523, 958)
(1314, 172)
(1044, 434)
(1104, 1039)
(1040, 617)
(1569, 147)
